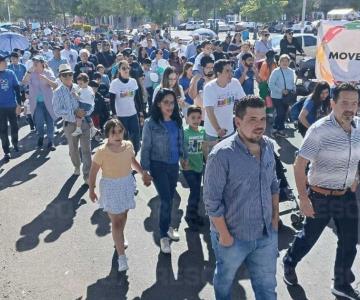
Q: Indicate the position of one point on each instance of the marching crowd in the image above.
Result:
(194, 109)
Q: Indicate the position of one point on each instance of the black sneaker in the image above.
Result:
(40, 142)
(6, 158)
(290, 277)
(51, 147)
(346, 292)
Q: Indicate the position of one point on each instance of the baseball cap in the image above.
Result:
(38, 58)
(127, 52)
(14, 54)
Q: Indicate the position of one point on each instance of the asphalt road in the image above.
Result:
(57, 244)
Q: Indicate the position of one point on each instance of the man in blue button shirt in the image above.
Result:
(241, 195)
(10, 101)
(247, 73)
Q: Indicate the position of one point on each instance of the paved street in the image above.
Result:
(56, 244)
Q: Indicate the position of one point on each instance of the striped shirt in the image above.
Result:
(333, 153)
(239, 187)
(65, 104)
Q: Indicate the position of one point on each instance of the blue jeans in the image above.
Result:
(193, 180)
(281, 111)
(259, 257)
(87, 107)
(42, 117)
(132, 127)
(165, 177)
(344, 211)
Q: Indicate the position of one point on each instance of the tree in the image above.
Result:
(263, 10)
(327, 5)
(160, 11)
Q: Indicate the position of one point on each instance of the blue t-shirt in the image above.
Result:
(173, 131)
(8, 83)
(248, 84)
(185, 83)
(309, 105)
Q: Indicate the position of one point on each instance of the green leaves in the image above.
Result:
(263, 10)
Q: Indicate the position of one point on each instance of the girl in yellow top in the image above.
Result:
(117, 185)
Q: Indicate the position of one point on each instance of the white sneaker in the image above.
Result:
(93, 131)
(165, 245)
(173, 234)
(77, 131)
(123, 265)
(77, 171)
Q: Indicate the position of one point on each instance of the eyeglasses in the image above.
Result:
(125, 68)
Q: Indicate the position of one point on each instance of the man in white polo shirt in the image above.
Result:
(332, 147)
(219, 97)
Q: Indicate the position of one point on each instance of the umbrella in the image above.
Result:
(204, 32)
(11, 40)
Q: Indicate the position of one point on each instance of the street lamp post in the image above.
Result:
(303, 16)
(8, 9)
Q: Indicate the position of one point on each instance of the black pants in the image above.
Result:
(302, 129)
(8, 114)
(344, 211)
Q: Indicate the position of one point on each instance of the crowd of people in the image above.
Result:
(200, 109)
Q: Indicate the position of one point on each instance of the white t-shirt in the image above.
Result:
(125, 94)
(222, 99)
(87, 96)
(71, 56)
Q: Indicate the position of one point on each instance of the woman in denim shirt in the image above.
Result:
(162, 148)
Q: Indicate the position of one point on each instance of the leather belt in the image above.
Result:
(327, 192)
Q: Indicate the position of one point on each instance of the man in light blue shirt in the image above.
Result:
(241, 195)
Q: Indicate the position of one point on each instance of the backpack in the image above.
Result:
(296, 109)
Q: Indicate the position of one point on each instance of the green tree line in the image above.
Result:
(161, 11)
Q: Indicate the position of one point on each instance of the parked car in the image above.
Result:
(192, 25)
(240, 26)
(307, 42)
(307, 27)
(232, 25)
(222, 26)
(181, 26)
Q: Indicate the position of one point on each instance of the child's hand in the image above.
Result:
(185, 164)
(93, 196)
(146, 177)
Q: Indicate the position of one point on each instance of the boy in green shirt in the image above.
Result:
(194, 137)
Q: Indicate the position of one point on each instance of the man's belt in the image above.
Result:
(327, 192)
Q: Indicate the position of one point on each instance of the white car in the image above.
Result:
(232, 25)
(307, 42)
(307, 27)
(223, 26)
(192, 25)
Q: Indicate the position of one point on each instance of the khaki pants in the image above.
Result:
(85, 146)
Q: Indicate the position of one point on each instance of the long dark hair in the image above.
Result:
(166, 84)
(140, 56)
(320, 86)
(156, 113)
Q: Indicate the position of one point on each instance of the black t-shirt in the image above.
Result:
(136, 70)
(88, 68)
(290, 48)
(106, 59)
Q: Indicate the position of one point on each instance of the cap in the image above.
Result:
(2, 57)
(127, 52)
(14, 54)
(56, 48)
(38, 58)
(289, 30)
(64, 69)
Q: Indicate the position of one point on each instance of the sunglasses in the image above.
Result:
(67, 75)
